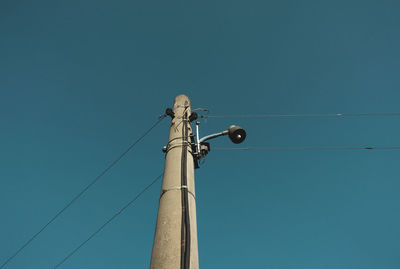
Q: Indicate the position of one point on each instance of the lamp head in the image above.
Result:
(236, 134)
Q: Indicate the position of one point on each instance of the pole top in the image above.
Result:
(181, 101)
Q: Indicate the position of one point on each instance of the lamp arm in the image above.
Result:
(211, 136)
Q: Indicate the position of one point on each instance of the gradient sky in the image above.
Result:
(81, 80)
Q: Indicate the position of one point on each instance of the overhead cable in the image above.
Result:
(77, 196)
(310, 148)
(300, 115)
(108, 221)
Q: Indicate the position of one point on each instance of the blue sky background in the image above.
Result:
(80, 80)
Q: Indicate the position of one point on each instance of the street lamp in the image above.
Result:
(236, 133)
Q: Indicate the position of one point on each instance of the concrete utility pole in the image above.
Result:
(175, 240)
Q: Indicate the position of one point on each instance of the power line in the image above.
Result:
(77, 196)
(300, 115)
(310, 148)
(108, 221)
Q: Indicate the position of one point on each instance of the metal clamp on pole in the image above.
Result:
(177, 189)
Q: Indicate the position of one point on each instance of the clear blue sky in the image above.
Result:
(80, 80)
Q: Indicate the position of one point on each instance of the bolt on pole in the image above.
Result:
(175, 240)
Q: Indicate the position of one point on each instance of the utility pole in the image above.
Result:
(175, 240)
